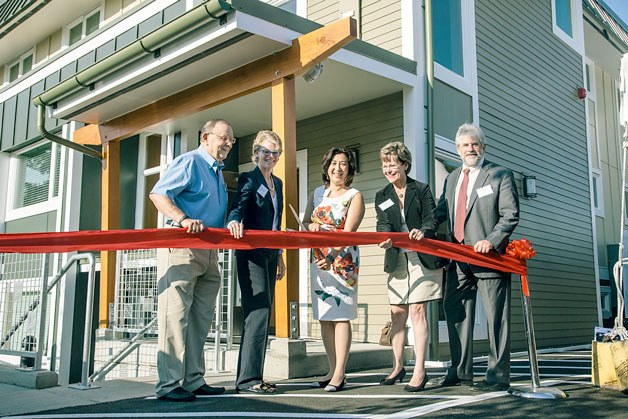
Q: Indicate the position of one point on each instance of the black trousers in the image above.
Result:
(257, 272)
(461, 287)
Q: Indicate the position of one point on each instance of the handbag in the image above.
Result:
(384, 338)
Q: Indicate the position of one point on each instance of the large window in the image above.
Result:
(84, 26)
(36, 174)
(565, 23)
(447, 24)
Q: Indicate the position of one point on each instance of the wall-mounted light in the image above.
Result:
(529, 186)
(313, 73)
(582, 93)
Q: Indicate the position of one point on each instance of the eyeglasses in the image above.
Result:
(393, 167)
(266, 152)
(224, 138)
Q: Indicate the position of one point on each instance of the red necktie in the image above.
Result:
(461, 208)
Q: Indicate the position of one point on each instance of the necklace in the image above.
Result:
(271, 184)
(400, 192)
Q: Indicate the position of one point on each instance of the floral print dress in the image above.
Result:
(334, 292)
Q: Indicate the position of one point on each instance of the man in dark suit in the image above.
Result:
(258, 205)
(481, 205)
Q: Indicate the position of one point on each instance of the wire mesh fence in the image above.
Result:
(20, 308)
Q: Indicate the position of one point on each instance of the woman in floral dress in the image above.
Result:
(335, 206)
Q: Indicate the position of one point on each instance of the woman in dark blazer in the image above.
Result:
(258, 205)
(406, 205)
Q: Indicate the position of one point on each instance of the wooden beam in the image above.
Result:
(110, 220)
(305, 51)
(284, 123)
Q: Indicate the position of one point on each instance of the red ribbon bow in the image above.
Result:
(521, 249)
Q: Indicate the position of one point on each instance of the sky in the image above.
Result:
(620, 7)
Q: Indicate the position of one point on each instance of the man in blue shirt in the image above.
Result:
(190, 194)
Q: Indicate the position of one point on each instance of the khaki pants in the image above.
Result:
(188, 282)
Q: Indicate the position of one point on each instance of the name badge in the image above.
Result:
(484, 191)
(386, 204)
(262, 190)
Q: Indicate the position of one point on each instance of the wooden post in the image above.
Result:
(110, 220)
(285, 124)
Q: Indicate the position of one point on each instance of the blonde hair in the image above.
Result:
(265, 135)
(399, 150)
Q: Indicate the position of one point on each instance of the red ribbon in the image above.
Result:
(218, 238)
(522, 250)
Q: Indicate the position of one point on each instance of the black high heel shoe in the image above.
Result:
(330, 388)
(390, 381)
(320, 384)
(420, 387)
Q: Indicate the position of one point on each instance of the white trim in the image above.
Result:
(414, 130)
(140, 188)
(20, 66)
(304, 254)
(302, 8)
(99, 39)
(5, 161)
(576, 41)
(591, 202)
(412, 18)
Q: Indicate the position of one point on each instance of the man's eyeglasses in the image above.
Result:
(266, 152)
(224, 138)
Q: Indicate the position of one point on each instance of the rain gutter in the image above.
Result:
(149, 44)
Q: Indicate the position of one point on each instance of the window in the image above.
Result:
(563, 16)
(565, 23)
(447, 24)
(454, 47)
(598, 192)
(18, 68)
(83, 27)
(36, 175)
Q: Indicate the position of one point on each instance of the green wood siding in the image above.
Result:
(381, 24)
(535, 123)
(370, 124)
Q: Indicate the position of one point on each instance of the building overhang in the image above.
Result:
(250, 31)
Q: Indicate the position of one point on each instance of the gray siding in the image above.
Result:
(34, 224)
(535, 124)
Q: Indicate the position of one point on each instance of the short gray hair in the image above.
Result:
(470, 130)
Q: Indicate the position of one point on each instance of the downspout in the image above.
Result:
(429, 103)
(433, 350)
(41, 125)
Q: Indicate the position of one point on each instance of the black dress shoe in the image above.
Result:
(447, 381)
(330, 388)
(178, 395)
(206, 390)
(257, 389)
(391, 380)
(420, 387)
(320, 384)
(486, 386)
